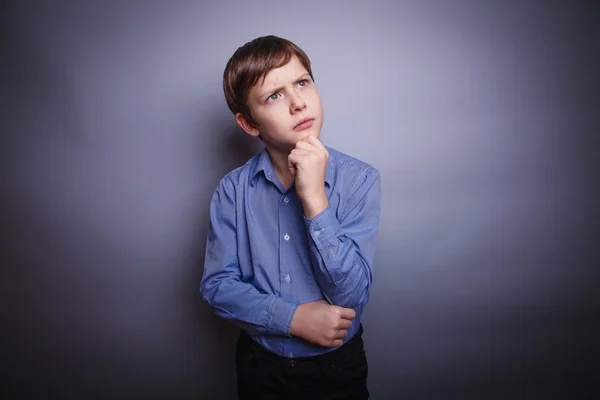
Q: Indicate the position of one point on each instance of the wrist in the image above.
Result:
(314, 204)
(296, 323)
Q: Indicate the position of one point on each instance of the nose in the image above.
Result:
(297, 102)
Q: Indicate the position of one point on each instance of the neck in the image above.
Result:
(279, 160)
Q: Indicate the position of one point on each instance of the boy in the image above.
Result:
(291, 241)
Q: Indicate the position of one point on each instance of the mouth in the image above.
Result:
(305, 123)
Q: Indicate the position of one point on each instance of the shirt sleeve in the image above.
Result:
(342, 249)
(222, 286)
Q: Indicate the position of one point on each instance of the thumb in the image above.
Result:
(292, 168)
(347, 313)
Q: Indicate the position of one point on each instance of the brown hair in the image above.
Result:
(252, 62)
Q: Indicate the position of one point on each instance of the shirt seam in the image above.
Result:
(271, 313)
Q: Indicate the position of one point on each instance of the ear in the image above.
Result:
(246, 125)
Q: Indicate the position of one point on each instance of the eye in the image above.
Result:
(273, 97)
(303, 82)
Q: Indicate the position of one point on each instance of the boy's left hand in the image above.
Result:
(308, 163)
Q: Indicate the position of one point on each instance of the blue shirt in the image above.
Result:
(264, 257)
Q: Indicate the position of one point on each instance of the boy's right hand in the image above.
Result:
(322, 323)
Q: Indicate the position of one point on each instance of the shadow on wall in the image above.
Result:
(234, 146)
(226, 147)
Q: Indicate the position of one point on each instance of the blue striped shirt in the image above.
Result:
(264, 257)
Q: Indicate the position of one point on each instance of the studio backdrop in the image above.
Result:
(115, 133)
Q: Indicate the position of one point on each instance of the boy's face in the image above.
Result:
(281, 103)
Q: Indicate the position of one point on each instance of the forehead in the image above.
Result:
(282, 75)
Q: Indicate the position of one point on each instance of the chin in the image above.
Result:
(312, 131)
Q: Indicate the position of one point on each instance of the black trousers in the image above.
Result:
(339, 374)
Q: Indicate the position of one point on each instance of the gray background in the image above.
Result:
(115, 133)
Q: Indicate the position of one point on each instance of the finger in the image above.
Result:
(316, 142)
(298, 157)
(345, 324)
(332, 343)
(303, 151)
(306, 139)
(295, 161)
(292, 167)
(342, 333)
(294, 158)
(347, 313)
(305, 145)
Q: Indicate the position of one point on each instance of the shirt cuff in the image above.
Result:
(281, 313)
(323, 227)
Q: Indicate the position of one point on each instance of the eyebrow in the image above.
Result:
(269, 92)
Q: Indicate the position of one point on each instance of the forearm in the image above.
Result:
(342, 242)
(241, 303)
(339, 270)
(342, 273)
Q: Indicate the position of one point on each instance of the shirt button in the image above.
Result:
(292, 363)
(286, 237)
(286, 200)
(292, 355)
(288, 279)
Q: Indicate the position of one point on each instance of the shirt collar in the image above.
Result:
(263, 164)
